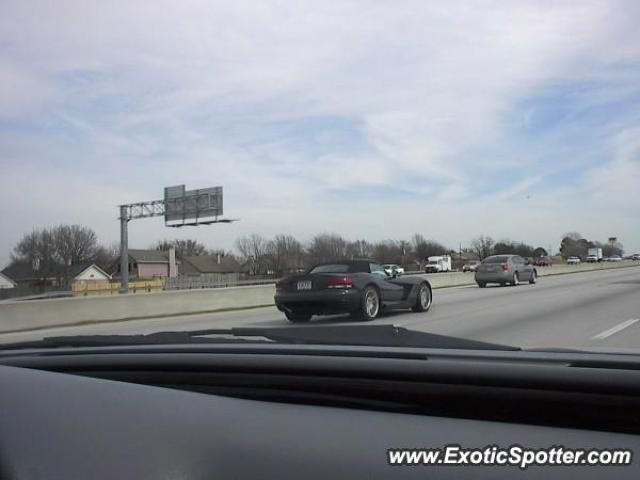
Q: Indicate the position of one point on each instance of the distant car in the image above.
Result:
(592, 259)
(544, 262)
(605, 259)
(358, 287)
(573, 260)
(505, 269)
(392, 269)
(471, 266)
(615, 258)
(635, 256)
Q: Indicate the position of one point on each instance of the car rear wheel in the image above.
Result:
(482, 284)
(423, 299)
(297, 317)
(516, 279)
(534, 277)
(369, 305)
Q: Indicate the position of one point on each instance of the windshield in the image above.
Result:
(466, 169)
(500, 259)
(332, 268)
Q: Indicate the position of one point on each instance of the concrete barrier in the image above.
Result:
(27, 315)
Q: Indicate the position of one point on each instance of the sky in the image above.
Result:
(371, 119)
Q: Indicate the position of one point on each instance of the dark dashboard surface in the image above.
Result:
(61, 426)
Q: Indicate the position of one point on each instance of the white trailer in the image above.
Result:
(438, 264)
(594, 254)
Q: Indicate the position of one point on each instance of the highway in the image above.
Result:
(591, 309)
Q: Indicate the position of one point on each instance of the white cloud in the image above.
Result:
(617, 182)
(519, 189)
(23, 92)
(197, 91)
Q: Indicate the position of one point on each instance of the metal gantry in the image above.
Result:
(154, 208)
(186, 208)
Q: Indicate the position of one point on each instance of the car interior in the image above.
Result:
(243, 410)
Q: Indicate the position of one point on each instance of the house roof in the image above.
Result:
(23, 270)
(149, 256)
(76, 270)
(209, 264)
(7, 278)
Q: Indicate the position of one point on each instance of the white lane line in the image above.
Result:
(615, 329)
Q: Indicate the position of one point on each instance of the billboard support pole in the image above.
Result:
(124, 250)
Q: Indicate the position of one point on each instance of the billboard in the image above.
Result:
(191, 206)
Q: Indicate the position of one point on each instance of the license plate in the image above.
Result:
(304, 285)
(490, 269)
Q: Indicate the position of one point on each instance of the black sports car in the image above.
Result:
(359, 287)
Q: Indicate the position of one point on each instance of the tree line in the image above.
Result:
(52, 251)
(573, 244)
(55, 249)
(484, 247)
(284, 253)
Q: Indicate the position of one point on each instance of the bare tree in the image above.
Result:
(49, 249)
(105, 257)
(36, 246)
(423, 248)
(73, 245)
(482, 246)
(515, 248)
(359, 249)
(184, 248)
(285, 253)
(38, 251)
(387, 251)
(327, 247)
(83, 243)
(253, 248)
(163, 245)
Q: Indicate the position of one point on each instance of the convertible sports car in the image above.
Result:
(359, 287)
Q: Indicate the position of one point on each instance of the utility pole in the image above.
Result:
(124, 249)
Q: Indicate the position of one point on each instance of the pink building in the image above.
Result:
(151, 264)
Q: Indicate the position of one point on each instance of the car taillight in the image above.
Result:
(505, 267)
(342, 281)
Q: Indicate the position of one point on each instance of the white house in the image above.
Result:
(6, 282)
(90, 274)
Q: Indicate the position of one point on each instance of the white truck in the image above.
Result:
(594, 255)
(438, 264)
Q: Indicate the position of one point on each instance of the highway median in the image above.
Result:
(38, 314)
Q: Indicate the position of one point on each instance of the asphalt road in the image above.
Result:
(591, 309)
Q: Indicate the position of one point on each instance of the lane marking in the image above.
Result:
(615, 329)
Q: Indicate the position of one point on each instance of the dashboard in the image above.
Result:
(89, 416)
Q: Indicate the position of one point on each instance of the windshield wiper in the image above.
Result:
(365, 335)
